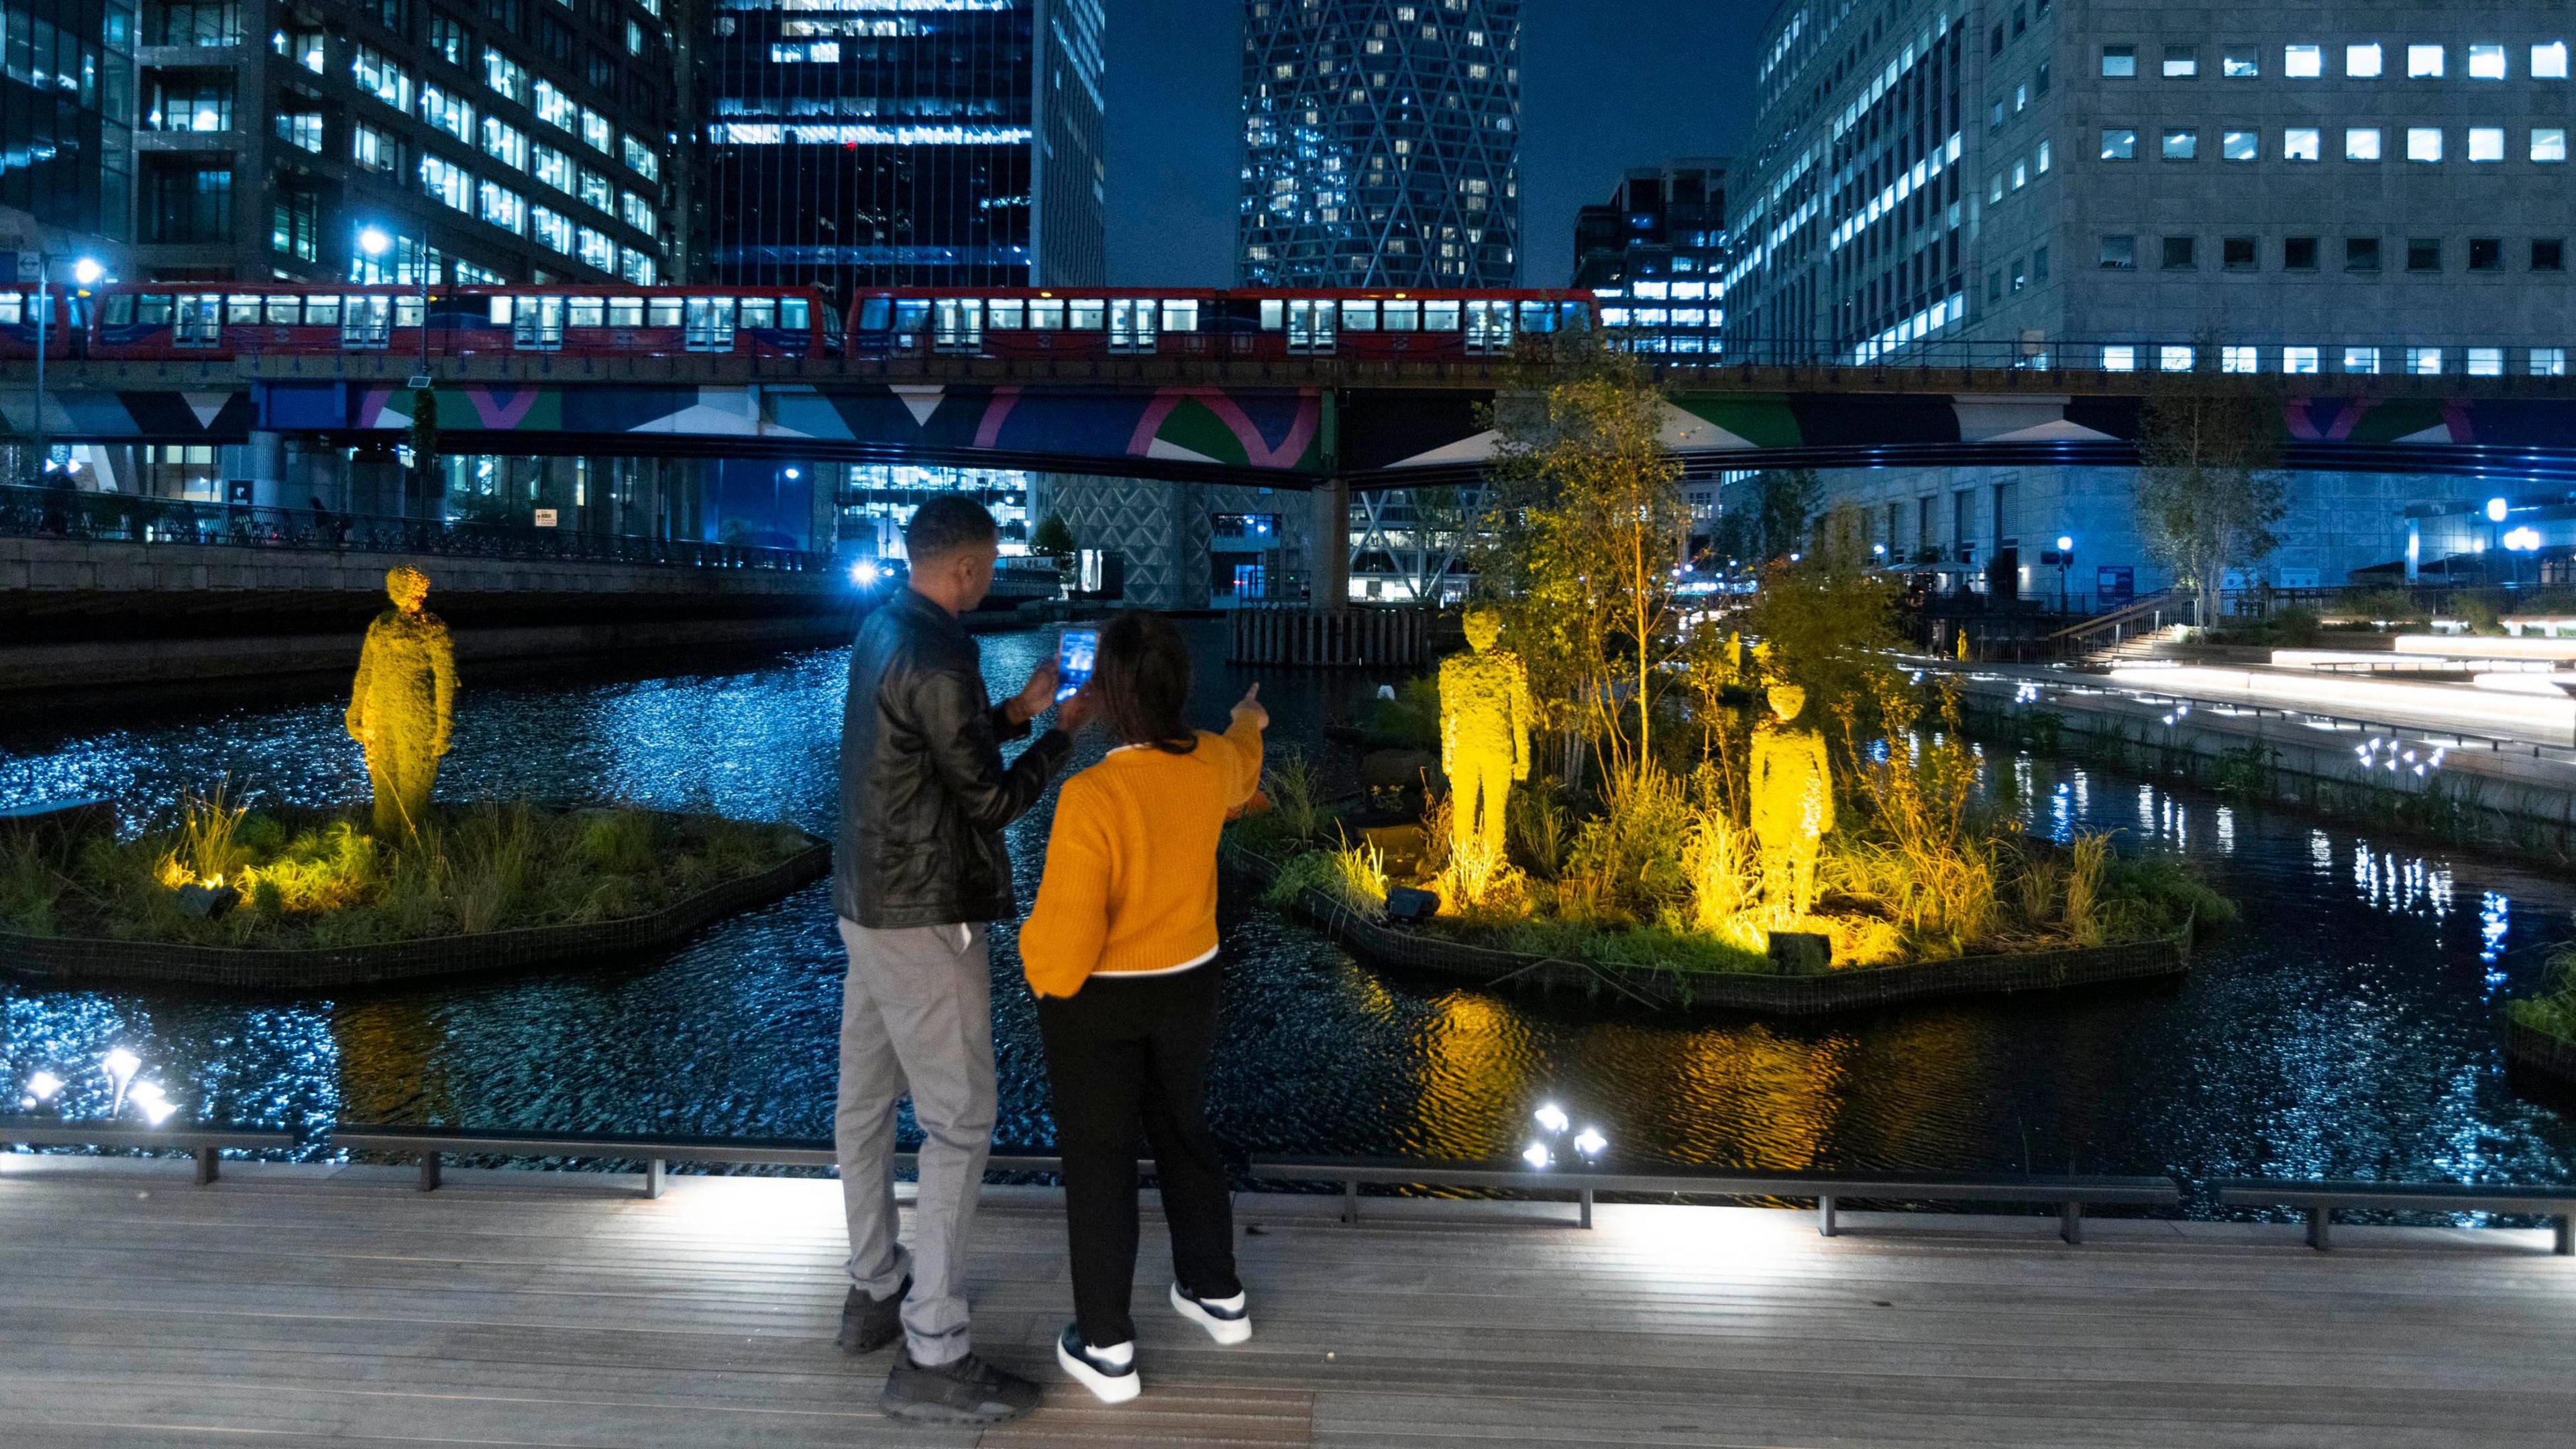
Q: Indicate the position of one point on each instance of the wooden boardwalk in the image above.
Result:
(300, 1306)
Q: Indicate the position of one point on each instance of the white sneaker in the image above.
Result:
(1227, 1320)
(1110, 1373)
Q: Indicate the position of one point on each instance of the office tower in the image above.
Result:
(1652, 254)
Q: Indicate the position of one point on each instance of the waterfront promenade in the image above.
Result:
(306, 1305)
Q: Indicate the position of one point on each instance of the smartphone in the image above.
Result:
(1073, 655)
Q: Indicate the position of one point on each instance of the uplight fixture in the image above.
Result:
(1589, 1142)
(1552, 1117)
(43, 1085)
(121, 1066)
(1536, 1154)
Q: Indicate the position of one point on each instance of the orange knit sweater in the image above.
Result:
(1130, 882)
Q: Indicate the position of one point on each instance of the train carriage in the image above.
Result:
(221, 321)
(1384, 324)
(62, 329)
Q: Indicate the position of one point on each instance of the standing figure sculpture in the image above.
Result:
(1793, 805)
(1484, 735)
(403, 705)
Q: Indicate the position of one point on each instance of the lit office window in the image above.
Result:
(2119, 144)
(2303, 62)
(2548, 143)
(2424, 361)
(2173, 359)
(2240, 65)
(2423, 143)
(2361, 143)
(2119, 357)
(2021, 174)
(2041, 163)
(2303, 143)
(2361, 62)
(2486, 143)
(2182, 143)
(2119, 60)
(2549, 362)
(2486, 362)
(2486, 62)
(2424, 62)
(2239, 146)
(2239, 359)
(2361, 359)
(2549, 60)
(2119, 254)
(1995, 190)
(2182, 62)
(2299, 359)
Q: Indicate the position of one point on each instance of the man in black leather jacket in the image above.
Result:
(919, 868)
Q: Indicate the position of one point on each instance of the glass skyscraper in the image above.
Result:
(1380, 143)
(905, 143)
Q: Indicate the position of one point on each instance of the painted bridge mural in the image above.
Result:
(1373, 436)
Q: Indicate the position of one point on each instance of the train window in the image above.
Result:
(407, 311)
(244, 309)
(1006, 314)
(760, 312)
(795, 314)
(831, 325)
(13, 309)
(1310, 326)
(1359, 316)
(150, 310)
(120, 309)
(1131, 325)
(1274, 314)
(586, 312)
(1489, 326)
(1574, 315)
(200, 321)
(874, 314)
(1181, 315)
(662, 312)
(957, 323)
(1402, 316)
(1086, 314)
(911, 316)
(321, 311)
(1439, 316)
(501, 309)
(287, 311)
(709, 324)
(625, 311)
(1537, 317)
(537, 322)
(1046, 314)
(366, 321)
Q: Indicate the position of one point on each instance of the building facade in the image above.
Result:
(1653, 254)
(863, 142)
(1381, 140)
(505, 140)
(67, 128)
(2361, 187)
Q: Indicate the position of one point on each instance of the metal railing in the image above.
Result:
(2322, 1200)
(71, 513)
(203, 1144)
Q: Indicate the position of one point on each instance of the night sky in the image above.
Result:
(1605, 85)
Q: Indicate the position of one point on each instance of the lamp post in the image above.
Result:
(375, 242)
(86, 273)
(2065, 559)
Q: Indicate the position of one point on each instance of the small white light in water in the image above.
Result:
(155, 1112)
(43, 1085)
(1535, 1154)
(1552, 1117)
(1590, 1142)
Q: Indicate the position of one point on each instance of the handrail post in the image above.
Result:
(429, 1169)
(1350, 1200)
(206, 1169)
(2070, 1222)
(1825, 1216)
(2566, 1244)
(1584, 1196)
(2321, 1225)
(652, 1177)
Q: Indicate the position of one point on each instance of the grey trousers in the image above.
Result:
(917, 1016)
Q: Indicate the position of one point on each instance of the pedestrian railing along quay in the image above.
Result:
(2322, 1200)
(432, 1145)
(78, 514)
(204, 1144)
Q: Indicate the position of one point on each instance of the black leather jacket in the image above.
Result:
(924, 793)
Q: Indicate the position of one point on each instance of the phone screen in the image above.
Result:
(1073, 656)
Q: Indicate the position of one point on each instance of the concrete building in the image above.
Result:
(2302, 189)
(1653, 254)
(505, 141)
(68, 188)
(857, 142)
(1381, 140)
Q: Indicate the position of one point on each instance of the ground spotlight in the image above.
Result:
(1536, 1154)
(1552, 1117)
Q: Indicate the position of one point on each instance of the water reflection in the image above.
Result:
(2346, 1027)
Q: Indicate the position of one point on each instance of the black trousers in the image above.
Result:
(1125, 1056)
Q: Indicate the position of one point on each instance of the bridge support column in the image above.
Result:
(1328, 546)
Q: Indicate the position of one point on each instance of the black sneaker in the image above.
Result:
(869, 1324)
(1111, 1378)
(969, 1392)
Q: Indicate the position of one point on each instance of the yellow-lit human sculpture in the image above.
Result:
(1484, 735)
(403, 705)
(1793, 805)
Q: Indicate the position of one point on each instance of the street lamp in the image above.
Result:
(376, 243)
(2065, 559)
(86, 272)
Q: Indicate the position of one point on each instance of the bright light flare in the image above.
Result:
(863, 574)
(121, 1066)
(1552, 1117)
(1590, 1142)
(43, 1085)
(1536, 1155)
(87, 271)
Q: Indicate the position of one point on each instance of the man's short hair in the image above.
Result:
(946, 524)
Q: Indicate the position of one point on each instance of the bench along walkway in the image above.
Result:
(294, 1305)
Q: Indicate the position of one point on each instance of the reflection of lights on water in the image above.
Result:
(1536, 1154)
(121, 1066)
(2494, 912)
(1552, 1117)
(2226, 830)
(2321, 851)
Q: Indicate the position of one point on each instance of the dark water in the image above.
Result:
(2348, 1025)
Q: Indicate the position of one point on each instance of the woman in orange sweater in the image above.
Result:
(1121, 950)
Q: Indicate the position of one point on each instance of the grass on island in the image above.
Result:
(1660, 873)
(321, 878)
(2552, 1013)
